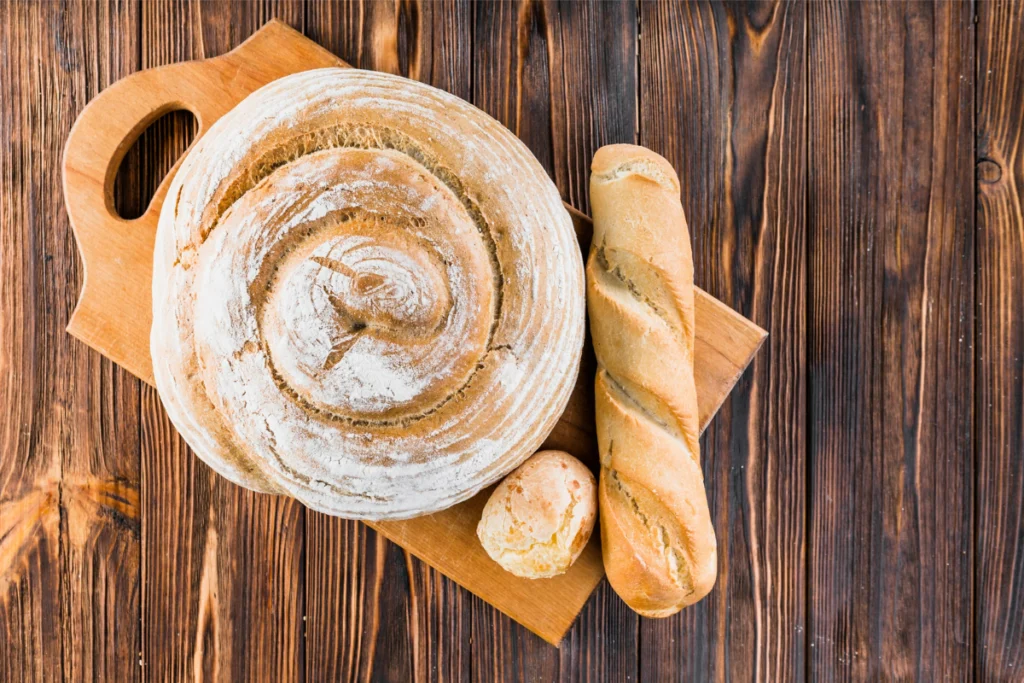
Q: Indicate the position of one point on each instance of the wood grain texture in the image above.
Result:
(722, 96)
(69, 471)
(537, 70)
(877, 440)
(402, 619)
(999, 401)
(890, 352)
(30, 555)
(111, 315)
(223, 568)
(511, 75)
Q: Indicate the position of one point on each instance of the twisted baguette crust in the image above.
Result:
(366, 295)
(658, 542)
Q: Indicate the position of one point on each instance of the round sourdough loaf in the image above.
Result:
(367, 295)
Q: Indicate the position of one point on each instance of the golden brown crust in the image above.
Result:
(539, 519)
(657, 538)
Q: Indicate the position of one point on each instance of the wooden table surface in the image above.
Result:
(854, 180)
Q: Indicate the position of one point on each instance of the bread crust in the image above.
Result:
(540, 517)
(367, 295)
(657, 538)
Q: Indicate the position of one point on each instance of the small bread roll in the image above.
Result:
(540, 517)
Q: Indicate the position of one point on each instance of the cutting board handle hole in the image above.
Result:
(150, 158)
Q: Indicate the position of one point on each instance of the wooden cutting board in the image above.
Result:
(113, 314)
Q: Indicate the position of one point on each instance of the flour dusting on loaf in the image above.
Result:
(366, 295)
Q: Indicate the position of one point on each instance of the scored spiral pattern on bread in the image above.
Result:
(657, 538)
(367, 295)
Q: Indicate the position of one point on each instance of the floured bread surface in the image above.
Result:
(366, 295)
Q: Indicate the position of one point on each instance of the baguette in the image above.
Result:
(658, 541)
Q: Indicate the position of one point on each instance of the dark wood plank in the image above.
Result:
(442, 645)
(225, 24)
(593, 48)
(434, 46)
(890, 205)
(30, 593)
(886, 471)
(100, 473)
(69, 475)
(176, 484)
(539, 70)
(684, 110)
(223, 568)
(999, 402)
(175, 528)
(374, 611)
(593, 94)
(722, 97)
